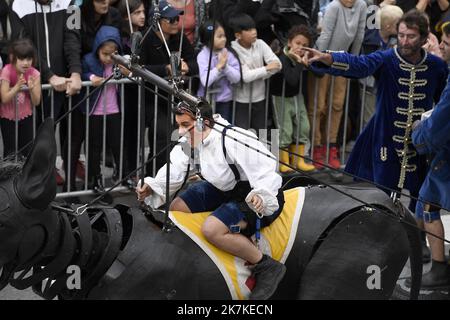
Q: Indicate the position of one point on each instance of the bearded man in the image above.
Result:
(408, 80)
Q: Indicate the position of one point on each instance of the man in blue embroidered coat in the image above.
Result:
(432, 136)
(408, 81)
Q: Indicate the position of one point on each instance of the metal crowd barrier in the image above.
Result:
(152, 145)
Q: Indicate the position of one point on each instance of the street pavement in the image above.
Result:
(129, 198)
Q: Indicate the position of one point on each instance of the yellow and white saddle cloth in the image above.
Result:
(276, 241)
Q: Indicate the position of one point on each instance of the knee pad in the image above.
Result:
(426, 216)
(430, 216)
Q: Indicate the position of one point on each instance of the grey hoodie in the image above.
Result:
(343, 27)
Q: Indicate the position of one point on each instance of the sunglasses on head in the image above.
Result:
(172, 20)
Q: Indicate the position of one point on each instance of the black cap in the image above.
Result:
(166, 10)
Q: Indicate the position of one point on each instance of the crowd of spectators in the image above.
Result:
(254, 37)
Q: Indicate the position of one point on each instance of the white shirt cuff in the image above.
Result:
(270, 203)
(157, 198)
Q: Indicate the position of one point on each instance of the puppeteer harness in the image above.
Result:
(240, 191)
(241, 187)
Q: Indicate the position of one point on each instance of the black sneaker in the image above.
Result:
(268, 274)
(438, 277)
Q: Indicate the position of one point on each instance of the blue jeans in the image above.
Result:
(226, 205)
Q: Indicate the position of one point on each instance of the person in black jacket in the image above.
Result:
(4, 12)
(4, 8)
(58, 46)
(154, 57)
(94, 14)
(227, 9)
(131, 90)
(282, 14)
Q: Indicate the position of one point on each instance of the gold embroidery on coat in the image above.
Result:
(410, 112)
(340, 65)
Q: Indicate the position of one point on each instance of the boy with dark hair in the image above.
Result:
(258, 63)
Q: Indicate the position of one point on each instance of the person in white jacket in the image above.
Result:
(238, 183)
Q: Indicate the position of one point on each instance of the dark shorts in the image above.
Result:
(203, 196)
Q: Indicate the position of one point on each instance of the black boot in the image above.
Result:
(268, 273)
(437, 277)
(426, 253)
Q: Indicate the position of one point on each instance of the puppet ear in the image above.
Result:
(36, 184)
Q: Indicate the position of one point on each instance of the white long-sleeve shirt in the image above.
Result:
(254, 167)
(254, 72)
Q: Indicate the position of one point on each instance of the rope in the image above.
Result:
(129, 17)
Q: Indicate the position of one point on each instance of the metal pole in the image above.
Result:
(35, 119)
(52, 104)
(250, 107)
(313, 131)
(69, 147)
(168, 125)
(233, 116)
(266, 110)
(86, 140)
(104, 136)
(142, 132)
(297, 117)
(122, 128)
(283, 106)
(155, 131)
(139, 128)
(344, 142)
(158, 81)
(330, 106)
(16, 128)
